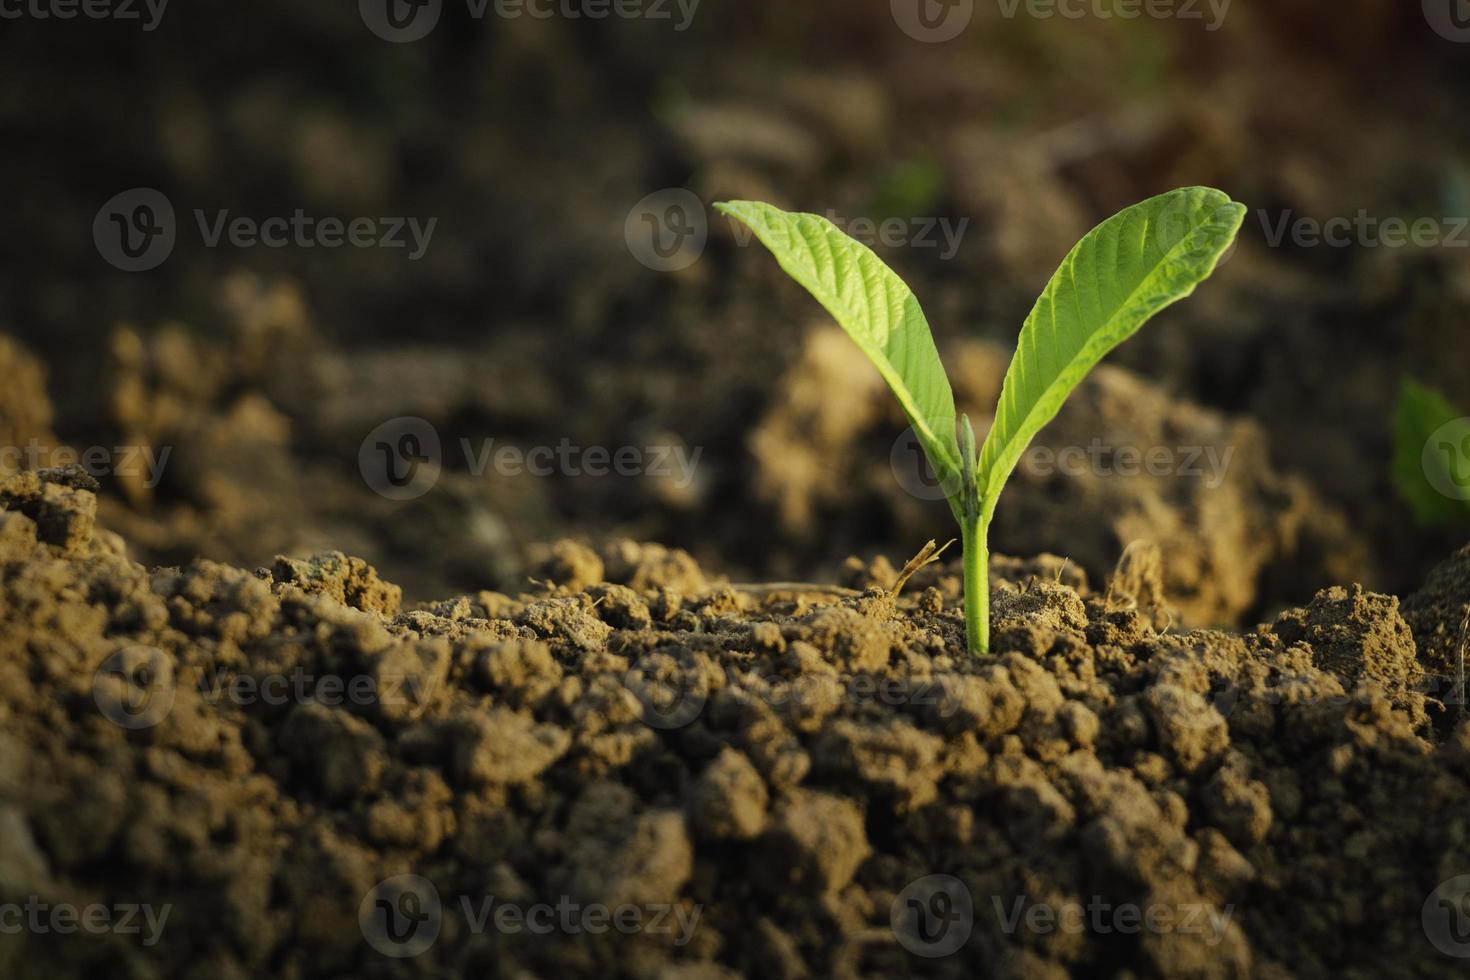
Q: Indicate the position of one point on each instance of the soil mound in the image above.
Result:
(679, 777)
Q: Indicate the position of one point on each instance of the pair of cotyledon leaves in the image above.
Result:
(1124, 271)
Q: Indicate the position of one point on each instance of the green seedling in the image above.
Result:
(1123, 272)
(1431, 456)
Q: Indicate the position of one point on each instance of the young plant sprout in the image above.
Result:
(1124, 271)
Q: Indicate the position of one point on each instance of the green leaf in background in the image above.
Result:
(1124, 271)
(914, 186)
(1431, 456)
(876, 309)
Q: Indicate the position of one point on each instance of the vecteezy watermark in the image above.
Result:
(1364, 230)
(403, 916)
(1210, 709)
(1207, 463)
(933, 916)
(924, 232)
(149, 13)
(1215, 10)
(671, 692)
(404, 21)
(1179, 221)
(62, 918)
(1446, 459)
(137, 230)
(1450, 19)
(98, 461)
(136, 687)
(920, 233)
(668, 692)
(566, 458)
(912, 470)
(1446, 917)
(568, 917)
(299, 686)
(933, 21)
(403, 458)
(1100, 917)
(938, 694)
(668, 230)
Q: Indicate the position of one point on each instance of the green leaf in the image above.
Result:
(876, 309)
(1122, 272)
(1431, 456)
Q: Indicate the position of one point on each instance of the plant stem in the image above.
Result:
(977, 586)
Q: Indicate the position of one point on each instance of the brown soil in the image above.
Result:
(529, 321)
(790, 765)
(255, 435)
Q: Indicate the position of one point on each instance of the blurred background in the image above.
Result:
(532, 264)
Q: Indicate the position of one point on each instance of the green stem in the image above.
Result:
(977, 586)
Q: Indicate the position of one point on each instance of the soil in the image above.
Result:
(258, 694)
(782, 769)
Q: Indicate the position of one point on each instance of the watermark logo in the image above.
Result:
(1364, 230)
(62, 918)
(1209, 464)
(148, 12)
(933, 916)
(1188, 711)
(401, 917)
(673, 462)
(569, 917)
(917, 233)
(401, 21)
(1216, 10)
(145, 462)
(401, 459)
(933, 21)
(405, 21)
(669, 695)
(134, 687)
(1179, 221)
(1446, 459)
(1446, 917)
(135, 231)
(1195, 712)
(1450, 19)
(1099, 917)
(912, 469)
(667, 230)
